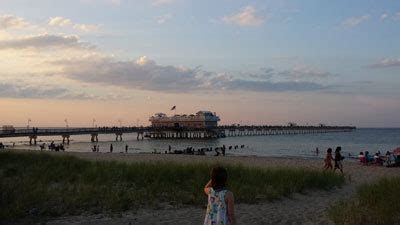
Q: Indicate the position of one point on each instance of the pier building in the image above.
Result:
(202, 119)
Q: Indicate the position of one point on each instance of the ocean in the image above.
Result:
(301, 145)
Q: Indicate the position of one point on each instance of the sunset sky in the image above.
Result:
(252, 62)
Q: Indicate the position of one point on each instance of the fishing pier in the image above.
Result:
(203, 124)
(170, 132)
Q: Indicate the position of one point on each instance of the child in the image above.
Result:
(362, 158)
(220, 208)
(328, 159)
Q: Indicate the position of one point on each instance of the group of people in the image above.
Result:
(187, 151)
(52, 147)
(96, 148)
(364, 157)
(202, 151)
(3, 146)
(337, 160)
(377, 158)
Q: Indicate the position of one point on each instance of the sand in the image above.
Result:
(309, 208)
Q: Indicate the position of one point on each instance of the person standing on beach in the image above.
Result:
(126, 148)
(338, 159)
(328, 160)
(111, 148)
(220, 207)
(216, 151)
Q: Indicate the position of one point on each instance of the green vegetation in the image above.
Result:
(39, 185)
(377, 203)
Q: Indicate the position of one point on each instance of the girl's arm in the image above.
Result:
(231, 210)
(207, 187)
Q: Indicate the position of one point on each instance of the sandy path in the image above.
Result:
(300, 209)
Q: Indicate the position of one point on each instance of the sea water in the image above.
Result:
(300, 145)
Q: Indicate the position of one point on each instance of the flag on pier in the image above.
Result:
(173, 107)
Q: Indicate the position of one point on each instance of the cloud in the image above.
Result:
(59, 21)
(18, 89)
(11, 21)
(303, 72)
(141, 74)
(86, 27)
(227, 82)
(93, 68)
(297, 73)
(354, 21)
(164, 18)
(264, 74)
(162, 2)
(262, 86)
(44, 41)
(143, 60)
(246, 17)
(146, 74)
(387, 62)
(64, 22)
(384, 16)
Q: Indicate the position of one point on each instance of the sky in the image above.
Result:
(111, 62)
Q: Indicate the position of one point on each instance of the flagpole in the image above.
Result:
(174, 109)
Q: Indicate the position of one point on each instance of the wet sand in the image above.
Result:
(310, 208)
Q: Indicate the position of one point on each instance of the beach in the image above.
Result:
(170, 111)
(308, 208)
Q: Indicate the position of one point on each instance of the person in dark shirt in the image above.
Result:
(338, 159)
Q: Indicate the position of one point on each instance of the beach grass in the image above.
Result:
(376, 203)
(41, 185)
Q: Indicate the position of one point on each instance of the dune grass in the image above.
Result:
(377, 203)
(40, 185)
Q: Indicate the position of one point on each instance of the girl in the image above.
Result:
(220, 208)
(328, 159)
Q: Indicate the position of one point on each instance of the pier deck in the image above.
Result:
(171, 132)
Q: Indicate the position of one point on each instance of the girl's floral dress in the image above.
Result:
(216, 209)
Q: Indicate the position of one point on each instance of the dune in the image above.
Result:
(308, 208)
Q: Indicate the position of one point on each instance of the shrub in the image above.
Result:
(377, 203)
